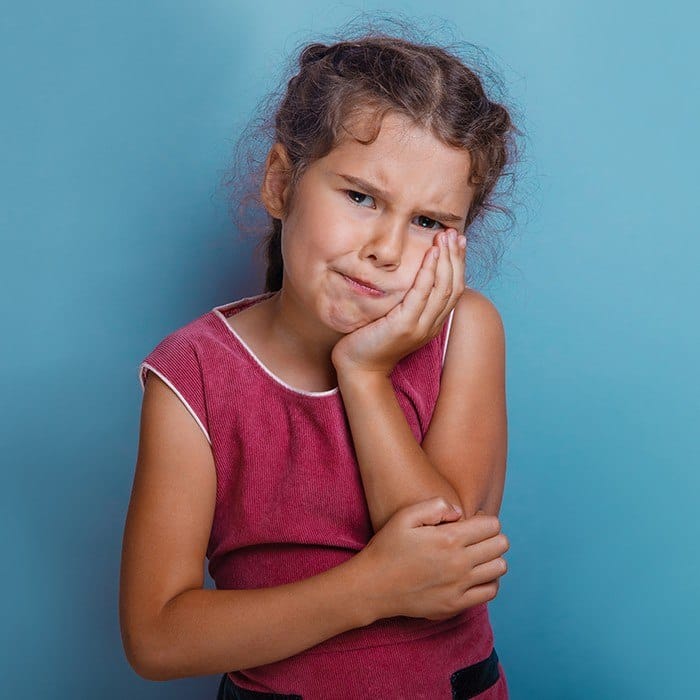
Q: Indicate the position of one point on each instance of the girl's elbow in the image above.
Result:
(148, 668)
(146, 657)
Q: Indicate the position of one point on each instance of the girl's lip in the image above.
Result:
(364, 287)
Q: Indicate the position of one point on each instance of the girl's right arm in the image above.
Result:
(424, 562)
(171, 626)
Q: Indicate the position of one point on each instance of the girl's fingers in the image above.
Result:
(443, 281)
(415, 300)
(459, 261)
(437, 286)
(462, 249)
(442, 296)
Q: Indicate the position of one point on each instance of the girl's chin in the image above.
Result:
(345, 321)
(345, 325)
(346, 314)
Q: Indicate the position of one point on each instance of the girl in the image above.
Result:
(339, 464)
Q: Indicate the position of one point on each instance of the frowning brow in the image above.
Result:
(375, 191)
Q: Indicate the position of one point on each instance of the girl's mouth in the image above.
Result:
(360, 288)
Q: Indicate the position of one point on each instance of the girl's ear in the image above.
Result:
(275, 185)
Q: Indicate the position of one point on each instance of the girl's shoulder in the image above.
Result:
(474, 350)
(475, 313)
(185, 356)
(211, 326)
(474, 334)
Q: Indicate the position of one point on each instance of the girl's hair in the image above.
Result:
(426, 83)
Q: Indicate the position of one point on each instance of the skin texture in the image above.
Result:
(424, 560)
(328, 230)
(321, 334)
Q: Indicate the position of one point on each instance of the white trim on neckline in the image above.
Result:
(218, 313)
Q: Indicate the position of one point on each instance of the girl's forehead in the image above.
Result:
(402, 151)
(400, 140)
(423, 176)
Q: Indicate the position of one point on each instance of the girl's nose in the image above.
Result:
(386, 243)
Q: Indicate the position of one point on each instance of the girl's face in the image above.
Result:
(370, 212)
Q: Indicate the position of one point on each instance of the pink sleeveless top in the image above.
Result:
(290, 505)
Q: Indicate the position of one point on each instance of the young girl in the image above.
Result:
(337, 461)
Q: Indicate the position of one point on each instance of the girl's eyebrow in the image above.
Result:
(374, 190)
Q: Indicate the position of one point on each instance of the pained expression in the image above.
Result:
(338, 227)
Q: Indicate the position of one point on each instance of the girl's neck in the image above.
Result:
(292, 330)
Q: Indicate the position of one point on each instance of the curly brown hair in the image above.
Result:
(427, 83)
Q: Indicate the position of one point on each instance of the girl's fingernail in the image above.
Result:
(462, 241)
(436, 253)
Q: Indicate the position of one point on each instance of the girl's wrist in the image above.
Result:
(375, 602)
(350, 369)
(350, 376)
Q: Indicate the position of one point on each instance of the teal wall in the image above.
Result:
(117, 121)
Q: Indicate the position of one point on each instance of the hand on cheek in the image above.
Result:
(379, 345)
(439, 283)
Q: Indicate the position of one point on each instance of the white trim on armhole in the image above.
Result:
(144, 367)
(447, 336)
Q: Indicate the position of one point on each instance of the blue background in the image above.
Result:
(117, 121)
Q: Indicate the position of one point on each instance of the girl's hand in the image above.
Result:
(379, 345)
(427, 561)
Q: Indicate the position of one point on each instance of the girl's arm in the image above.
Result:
(463, 455)
(171, 626)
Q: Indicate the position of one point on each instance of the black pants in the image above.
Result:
(228, 690)
(466, 682)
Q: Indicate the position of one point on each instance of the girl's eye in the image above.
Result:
(425, 222)
(430, 224)
(357, 196)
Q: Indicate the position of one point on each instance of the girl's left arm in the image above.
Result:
(463, 454)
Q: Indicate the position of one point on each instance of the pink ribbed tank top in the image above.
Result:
(290, 504)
